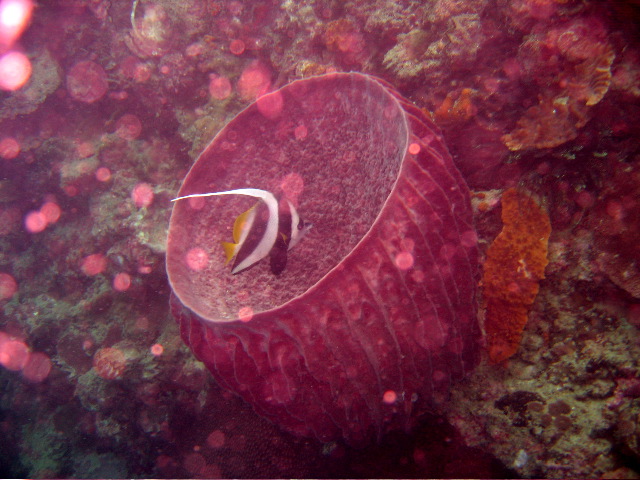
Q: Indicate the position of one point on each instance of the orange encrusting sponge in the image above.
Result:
(512, 271)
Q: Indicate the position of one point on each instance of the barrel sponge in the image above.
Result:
(512, 272)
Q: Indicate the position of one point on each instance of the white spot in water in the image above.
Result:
(521, 459)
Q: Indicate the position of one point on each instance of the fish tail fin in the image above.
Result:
(229, 250)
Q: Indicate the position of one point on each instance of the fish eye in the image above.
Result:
(300, 224)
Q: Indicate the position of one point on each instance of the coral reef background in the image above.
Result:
(540, 95)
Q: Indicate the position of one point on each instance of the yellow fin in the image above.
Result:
(229, 250)
(240, 224)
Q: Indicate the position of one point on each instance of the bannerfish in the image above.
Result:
(264, 229)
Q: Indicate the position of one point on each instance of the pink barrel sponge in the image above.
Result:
(374, 315)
